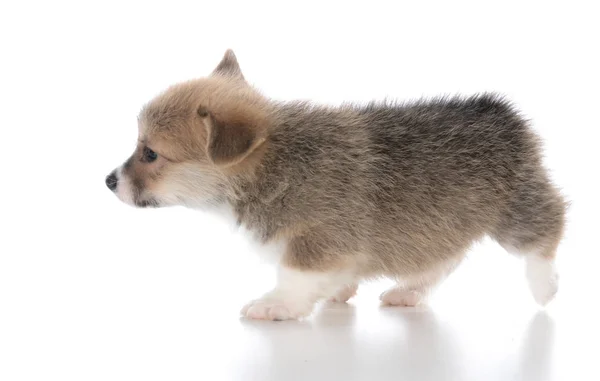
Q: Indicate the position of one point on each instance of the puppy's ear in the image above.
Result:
(228, 143)
(229, 66)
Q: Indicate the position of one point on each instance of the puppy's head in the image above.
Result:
(192, 139)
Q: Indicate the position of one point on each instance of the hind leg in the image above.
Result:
(541, 277)
(533, 227)
(540, 270)
(412, 290)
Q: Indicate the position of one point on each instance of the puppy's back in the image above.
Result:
(413, 184)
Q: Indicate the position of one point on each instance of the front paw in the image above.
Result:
(272, 308)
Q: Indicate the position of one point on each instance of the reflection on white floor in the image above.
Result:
(414, 344)
(160, 299)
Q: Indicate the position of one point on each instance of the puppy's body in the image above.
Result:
(396, 190)
(401, 187)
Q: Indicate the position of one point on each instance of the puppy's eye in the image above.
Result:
(149, 156)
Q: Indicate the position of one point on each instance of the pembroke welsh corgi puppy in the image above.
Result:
(398, 190)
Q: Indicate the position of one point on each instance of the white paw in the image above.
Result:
(399, 297)
(344, 294)
(270, 308)
(542, 278)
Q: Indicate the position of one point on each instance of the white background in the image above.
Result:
(91, 289)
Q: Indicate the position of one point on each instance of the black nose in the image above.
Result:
(111, 181)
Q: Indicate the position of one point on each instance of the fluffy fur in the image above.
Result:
(399, 190)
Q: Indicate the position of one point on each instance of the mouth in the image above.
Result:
(147, 203)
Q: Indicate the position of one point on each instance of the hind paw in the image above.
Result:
(542, 278)
(399, 297)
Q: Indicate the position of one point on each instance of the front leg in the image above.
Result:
(300, 285)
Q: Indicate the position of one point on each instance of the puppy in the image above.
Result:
(351, 192)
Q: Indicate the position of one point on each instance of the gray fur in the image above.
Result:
(411, 184)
